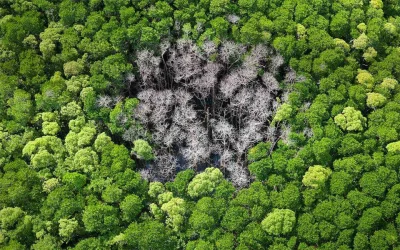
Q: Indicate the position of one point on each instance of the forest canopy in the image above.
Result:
(199, 124)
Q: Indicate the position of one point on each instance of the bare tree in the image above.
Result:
(104, 101)
(210, 106)
(149, 68)
(233, 18)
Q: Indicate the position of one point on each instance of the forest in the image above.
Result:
(199, 124)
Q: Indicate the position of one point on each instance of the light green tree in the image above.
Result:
(67, 228)
(393, 147)
(279, 222)
(365, 78)
(361, 42)
(390, 28)
(205, 183)
(370, 54)
(316, 176)
(389, 83)
(143, 150)
(350, 119)
(175, 209)
(156, 188)
(377, 4)
(283, 113)
(375, 100)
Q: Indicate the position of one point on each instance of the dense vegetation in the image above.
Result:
(210, 124)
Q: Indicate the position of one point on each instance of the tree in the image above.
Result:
(279, 222)
(361, 241)
(204, 183)
(20, 186)
(31, 67)
(393, 147)
(47, 242)
(365, 78)
(252, 237)
(21, 107)
(350, 119)
(143, 150)
(100, 218)
(288, 198)
(149, 234)
(375, 100)
(67, 228)
(259, 151)
(15, 225)
(149, 37)
(340, 25)
(218, 7)
(131, 206)
(112, 194)
(72, 12)
(72, 68)
(115, 66)
(369, 220)
(74, 180)
(307, 228)
(235, 218)
(376, 182)
(283, 113)
(389, 83)
(340, 183)
(316, 176)
(361, 42)
(176, 210)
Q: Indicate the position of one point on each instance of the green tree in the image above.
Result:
(369, 220)
(149, 235)
(74, 180)
(235, 218)
(20, 186)
(72, 12)
(100, 218)
(131, 206)
(15, 225)
(340, 183)
(218, 7)
(21, 107)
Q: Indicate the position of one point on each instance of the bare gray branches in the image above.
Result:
(207, 105)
